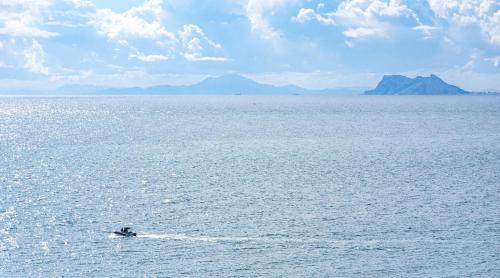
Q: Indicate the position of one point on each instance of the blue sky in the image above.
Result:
(315, 44)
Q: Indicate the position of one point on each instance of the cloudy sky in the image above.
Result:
(315, 44)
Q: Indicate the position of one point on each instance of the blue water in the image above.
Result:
(246, 186)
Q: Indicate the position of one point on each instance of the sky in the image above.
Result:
(45, 44)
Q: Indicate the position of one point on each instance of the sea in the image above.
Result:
(250, 186)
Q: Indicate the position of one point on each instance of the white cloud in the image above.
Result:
(483, 13)
(495, 61)
(195, 42)
(305, 15)
(35, 59)
(148, 58)
(491, 28)
(22, 18)
(255, 10)
(377, 18)
(480, 60)
(26, 3)
(426, 30)
(138, 22)
(366, 18)
(361, 32)
(193, 30)
(82, 3)
(19, 28)
(195, 58)
(145, 22)
(65, 24)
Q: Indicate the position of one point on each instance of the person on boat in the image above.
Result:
(125, 232)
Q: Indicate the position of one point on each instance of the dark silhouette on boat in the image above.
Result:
(125, 232)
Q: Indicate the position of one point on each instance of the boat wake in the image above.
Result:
(215, 238)
(284, 239)
(183, 237)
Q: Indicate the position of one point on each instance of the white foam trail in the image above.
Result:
(183, 237)
(179, 237)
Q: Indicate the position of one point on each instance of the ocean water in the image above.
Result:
(241, 186)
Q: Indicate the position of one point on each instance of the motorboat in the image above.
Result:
(125, 232)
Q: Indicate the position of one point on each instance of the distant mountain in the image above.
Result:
(227, 84)
(223, 85)
(402, 85)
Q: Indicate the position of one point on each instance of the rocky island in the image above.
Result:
(402, 85)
